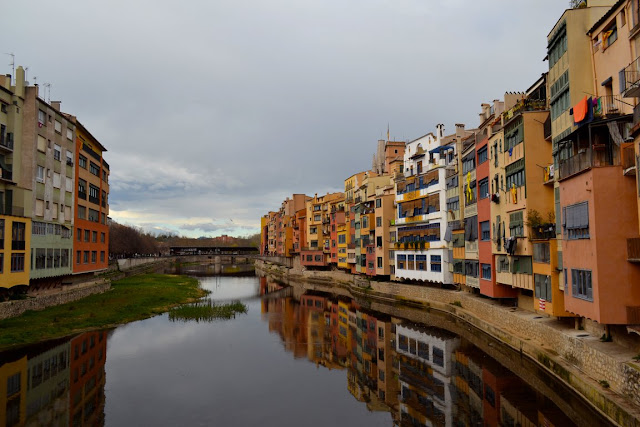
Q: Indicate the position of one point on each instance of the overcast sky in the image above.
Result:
(214, 111)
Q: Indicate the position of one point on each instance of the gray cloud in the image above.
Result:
(222, 109)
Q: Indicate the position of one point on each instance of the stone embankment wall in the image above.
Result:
(569, 358)
(15, 308)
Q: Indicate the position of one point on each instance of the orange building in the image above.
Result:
(87, 360)
(91, 241)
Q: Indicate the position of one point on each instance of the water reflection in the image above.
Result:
(422, 375)
(56, 383)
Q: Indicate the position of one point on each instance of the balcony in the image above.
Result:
(525, 105)
(611, 106)
(6, 174)
(12, 211)
(633, 249)
(628, 160)
(632, 79)
(6, 142)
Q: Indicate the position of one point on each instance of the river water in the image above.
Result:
(298, 357)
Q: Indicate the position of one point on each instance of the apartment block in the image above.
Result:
(421, 251)
(15, 227)
(91, 242)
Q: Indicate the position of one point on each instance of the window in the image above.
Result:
(471, 268)
(581, 284)
(438, 356)
(482, 155)
(94, 169)
(485, 230)
(94, 256)
(515, 174)
(87, 234)
(317, 217)
(82, 189)
(18, 236)
(436, 263)
(379, 262)
(93, 215)
(40, 173)
(516, 225)
(542, 286)
(575, 221)
(82, 161)
(378, 221)
(483, 188)
(94, 236)
(42, 118)
(69, 134)
(58, 127)
(17, 262)
(557, 45)
(313, 230)
(610, 35)
(471, 229)
(78, 257)
(469, 162)
(541, 252)
(486, 271)
(82, 212)
(378, 203)
(401, 261)
(379, 241)
(56, 151)
(86, 257)
(69, 158)
(94, 194)
(101, 256)
(41, 258)
(521, 265)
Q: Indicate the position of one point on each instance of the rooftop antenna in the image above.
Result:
(13, 64)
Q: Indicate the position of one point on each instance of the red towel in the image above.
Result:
(580, 110)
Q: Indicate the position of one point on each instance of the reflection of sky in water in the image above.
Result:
(229, 288)
(224, 373)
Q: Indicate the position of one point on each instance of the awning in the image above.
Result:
(441, 148)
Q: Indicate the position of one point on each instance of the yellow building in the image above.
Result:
(13, 393)
(15, 241)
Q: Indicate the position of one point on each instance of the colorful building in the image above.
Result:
(91, 242)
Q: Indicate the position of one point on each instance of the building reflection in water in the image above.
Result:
(423, 375)
(55, 383)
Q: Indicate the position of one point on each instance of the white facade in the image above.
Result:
(425, 159)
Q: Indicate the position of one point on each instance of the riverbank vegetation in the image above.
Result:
(206, 311)
(130, 299)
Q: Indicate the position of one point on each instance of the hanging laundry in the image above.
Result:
(614, 131)
(514, 194)
(597, 107)
(469, 193)
(580, 110)
(510, 151)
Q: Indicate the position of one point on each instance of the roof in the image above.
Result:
(606, 16)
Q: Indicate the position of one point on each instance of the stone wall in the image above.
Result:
(128, 263)
(16, 308)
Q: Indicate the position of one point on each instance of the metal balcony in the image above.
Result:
(632, 79)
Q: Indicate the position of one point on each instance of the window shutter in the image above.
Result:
(574, 283)
(537, 286)
(622, 80)
(587, 284)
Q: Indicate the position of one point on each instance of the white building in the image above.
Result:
(421, 213)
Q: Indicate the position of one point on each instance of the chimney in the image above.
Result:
(19, 82)
(56, 105)
(440, 131)
(459, 131)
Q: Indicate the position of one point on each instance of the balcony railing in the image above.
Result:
(526, 105)
(632, 79)
(574, 164)
(6, 174)
(6, 141)
(611, 105)
(633, 249)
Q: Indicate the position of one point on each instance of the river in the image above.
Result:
(298, 357)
